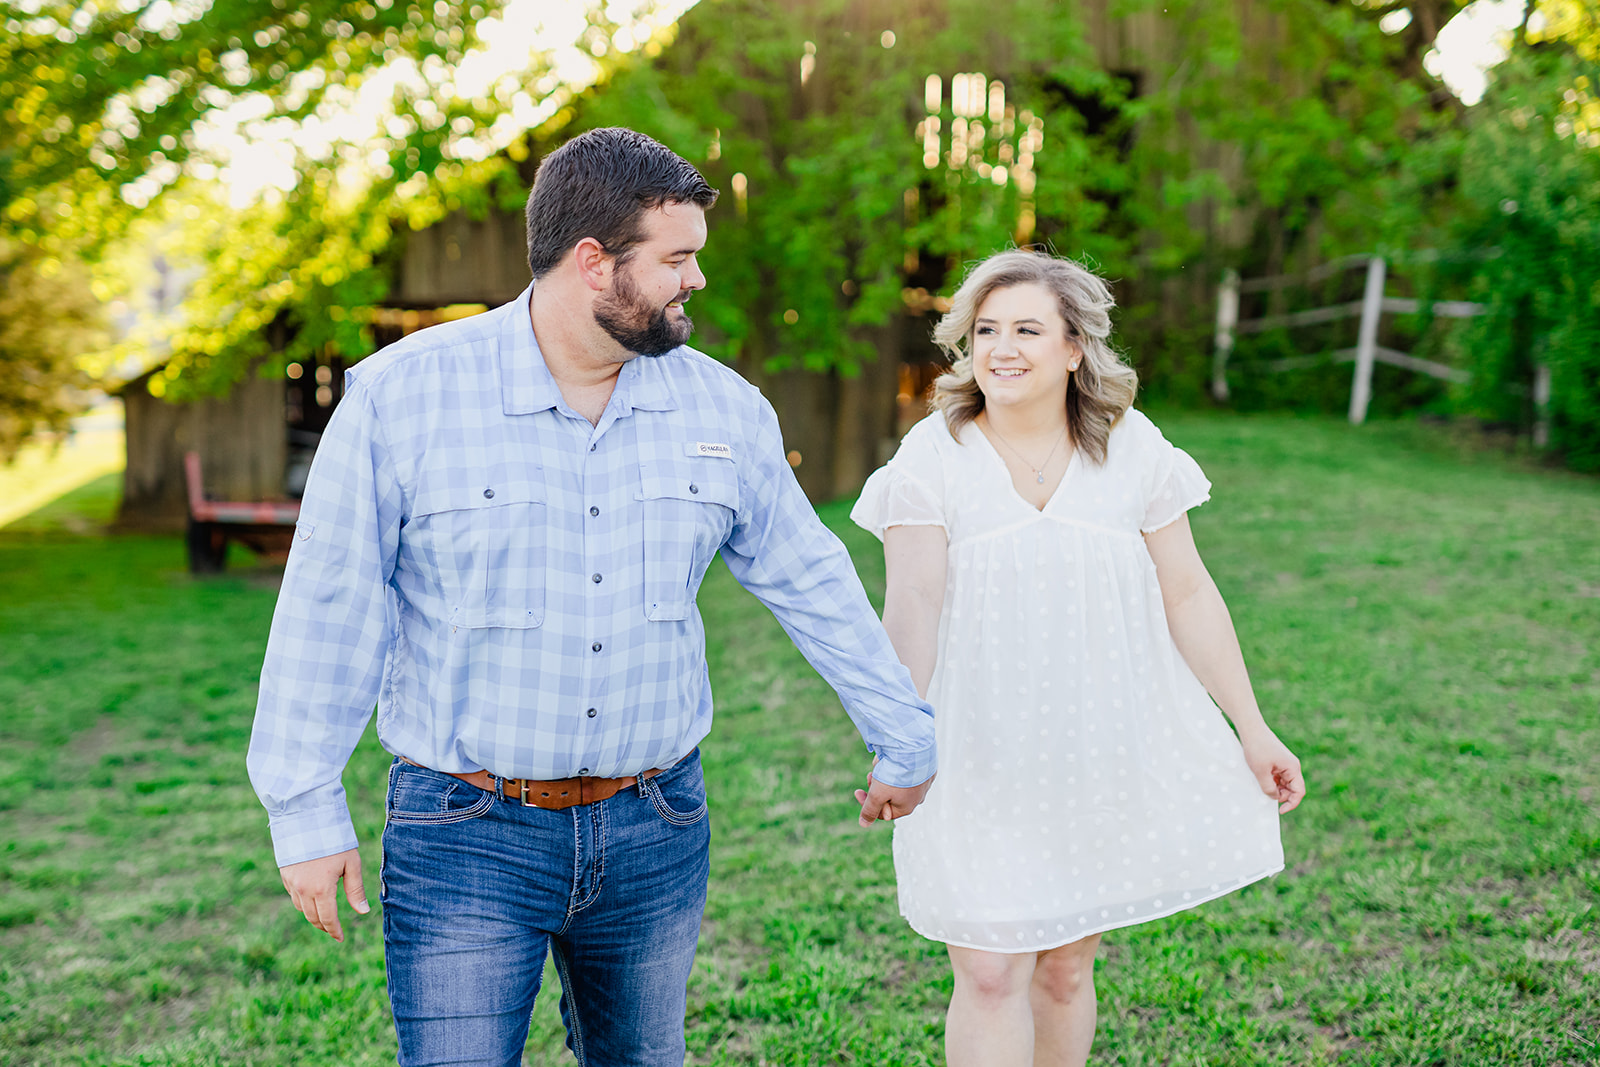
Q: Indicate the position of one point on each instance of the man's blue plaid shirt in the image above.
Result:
(515, 589)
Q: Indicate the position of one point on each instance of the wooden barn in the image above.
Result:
(255, 444)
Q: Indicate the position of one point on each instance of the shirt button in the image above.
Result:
(583, 770)
(595, 646)
(593, 447)
(593, 712)
(594, 510)
(488, 494)
(595, 578)
(693, 488)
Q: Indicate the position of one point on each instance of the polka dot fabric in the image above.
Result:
(1086, 780)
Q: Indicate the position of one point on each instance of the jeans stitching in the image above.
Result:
(577, 868)
(442, 817)
(479, 807)
(670, 814)
(598, 817)
(575, 1025)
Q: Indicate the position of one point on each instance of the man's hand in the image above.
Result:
(879, 801)
(312, 887)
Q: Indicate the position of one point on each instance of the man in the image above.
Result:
(500, 544)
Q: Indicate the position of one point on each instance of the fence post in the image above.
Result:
(1367, 340)
(1227, 318)
(1541, 405)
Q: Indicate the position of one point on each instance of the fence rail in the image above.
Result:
(1370, 308)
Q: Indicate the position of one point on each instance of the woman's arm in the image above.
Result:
(1203, 632)
(914, 557)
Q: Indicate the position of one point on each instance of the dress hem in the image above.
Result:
(1185, 906)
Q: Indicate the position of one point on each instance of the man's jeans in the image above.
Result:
(475, 888)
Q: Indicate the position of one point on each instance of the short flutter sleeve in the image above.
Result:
(1175, 483)
(909, 489)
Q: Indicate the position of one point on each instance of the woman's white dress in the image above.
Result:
(1086, 780)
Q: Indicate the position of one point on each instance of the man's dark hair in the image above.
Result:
(600, 184)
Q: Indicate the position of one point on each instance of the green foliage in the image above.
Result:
(1521, 237)
(100, 113)
(94, 97)
(48, 318)
(1219, 135)
(824, 119)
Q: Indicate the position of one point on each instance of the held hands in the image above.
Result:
(311, 886)
(1277, 770)
(879, 801)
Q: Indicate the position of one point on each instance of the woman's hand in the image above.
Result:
(1277, 769)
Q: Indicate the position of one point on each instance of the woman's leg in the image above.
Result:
(991, 1021)
(1063, 1004)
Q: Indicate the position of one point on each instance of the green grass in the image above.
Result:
(1423, 628)
(46, 468)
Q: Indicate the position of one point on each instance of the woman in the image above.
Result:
(1045, 592)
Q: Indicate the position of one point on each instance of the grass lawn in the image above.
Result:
(45, 469)
(1423, 628)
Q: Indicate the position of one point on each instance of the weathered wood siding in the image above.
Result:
(241, 439)
(462, 260)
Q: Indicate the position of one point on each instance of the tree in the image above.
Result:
(1512, 202)
(1158, 140)
(99, 113)
(95, 100)
(47, 315)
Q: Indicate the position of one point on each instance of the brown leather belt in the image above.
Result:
(553, 795)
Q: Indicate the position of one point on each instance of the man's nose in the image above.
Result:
(694, 279)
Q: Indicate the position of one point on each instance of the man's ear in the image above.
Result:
(594, 264)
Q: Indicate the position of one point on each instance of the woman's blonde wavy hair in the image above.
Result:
(1098, 392)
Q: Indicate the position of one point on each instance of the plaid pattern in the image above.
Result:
(486, 567)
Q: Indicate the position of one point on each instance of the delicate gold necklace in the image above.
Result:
(1038, 472)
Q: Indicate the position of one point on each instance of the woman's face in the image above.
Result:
(1021, 354)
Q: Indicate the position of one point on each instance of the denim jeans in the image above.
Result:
(476, 888)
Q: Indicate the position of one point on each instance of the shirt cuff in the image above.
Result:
(906, 769)
(311, 835)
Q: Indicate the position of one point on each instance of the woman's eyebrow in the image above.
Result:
(991, 322)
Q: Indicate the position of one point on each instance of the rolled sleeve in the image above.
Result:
(331, 632)
(782, 553)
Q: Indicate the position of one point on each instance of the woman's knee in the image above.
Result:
(991, 975)
(1066, 973)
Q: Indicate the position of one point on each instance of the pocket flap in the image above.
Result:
(699, 481)
(434, 498)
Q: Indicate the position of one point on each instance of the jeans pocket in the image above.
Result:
(682, 802)
(421, 797)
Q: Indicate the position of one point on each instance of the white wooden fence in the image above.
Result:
(1367, 350)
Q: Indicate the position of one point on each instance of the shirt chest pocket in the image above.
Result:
(491, 547)
(689, 504)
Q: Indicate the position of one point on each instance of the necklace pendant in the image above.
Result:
(1041, 476)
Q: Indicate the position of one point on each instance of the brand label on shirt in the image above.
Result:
(703, 448)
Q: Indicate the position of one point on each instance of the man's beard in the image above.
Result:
(634, 324)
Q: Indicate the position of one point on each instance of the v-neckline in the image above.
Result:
(1072, 461)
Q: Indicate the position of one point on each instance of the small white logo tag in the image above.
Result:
(702, 448)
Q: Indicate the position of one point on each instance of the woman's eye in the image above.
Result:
(984, 331)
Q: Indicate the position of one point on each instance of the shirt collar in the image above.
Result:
(526, 385)
(643, 384)
(525, 382)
